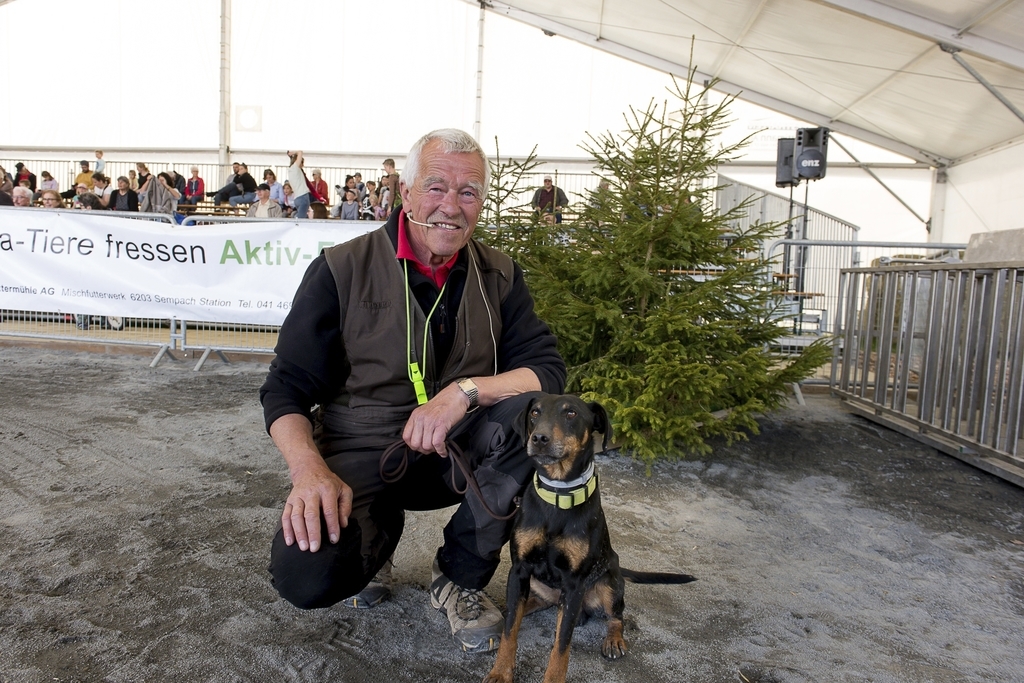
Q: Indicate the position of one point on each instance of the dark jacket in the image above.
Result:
(313, 365)
(133, 200)
(247, 182)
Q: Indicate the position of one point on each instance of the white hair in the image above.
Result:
(22, 191)
(453, 141)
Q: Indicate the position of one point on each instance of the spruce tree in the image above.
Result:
(664, 312)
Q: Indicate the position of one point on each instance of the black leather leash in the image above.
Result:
(457, 456)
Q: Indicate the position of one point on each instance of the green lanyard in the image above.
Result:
(415, 369)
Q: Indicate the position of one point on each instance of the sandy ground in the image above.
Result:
(137, 505)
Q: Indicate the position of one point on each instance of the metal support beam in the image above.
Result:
(479, 74)
(985, 14)
(224, 145)
(954, 53)
(886, 81)
(746, 94)
(878, 180)
(740, 38)
(931, 30)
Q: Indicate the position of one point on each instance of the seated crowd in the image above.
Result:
(169, 192)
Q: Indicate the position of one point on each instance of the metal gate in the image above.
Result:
(937, 352)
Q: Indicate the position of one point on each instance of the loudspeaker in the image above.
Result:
(784, 176)
(810, 153)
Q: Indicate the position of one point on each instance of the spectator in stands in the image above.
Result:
(320, 186)
(289, 199)
(230, 188)
(6, 181)
(48, 182)
(50, 199)
(264, 206)
(80, 189)
(144, 177)
(161, 196)
(297, 179)
(384, 194)
(101, 188)
(195, 190)
(394, 200)
(360, 185)
(22, 196)
(350, 184)
(89, 202)
(350, 207)
(247, 185)
(25, 174)
(368, 207)
(276, 190)
(125, 199)
(317, 210)
(84, 177)
(549, 201)
(133, 180)
(177, 181)
(100, 163)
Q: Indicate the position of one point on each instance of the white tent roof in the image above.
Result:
(873, 69)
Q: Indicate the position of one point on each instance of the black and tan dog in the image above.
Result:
(561, 552)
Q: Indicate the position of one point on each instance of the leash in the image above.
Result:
(458, 457)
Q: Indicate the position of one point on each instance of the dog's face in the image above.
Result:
(558, 432)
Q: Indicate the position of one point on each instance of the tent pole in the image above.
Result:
(954, 53)
(224, 146)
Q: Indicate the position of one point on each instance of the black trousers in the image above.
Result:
(472, 539)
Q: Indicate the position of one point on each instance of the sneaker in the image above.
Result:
(476, 622)
(376, 592)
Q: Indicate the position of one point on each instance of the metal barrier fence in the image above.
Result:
(808, 277)
(575, 185)
(937, 352)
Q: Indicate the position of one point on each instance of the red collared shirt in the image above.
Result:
(439, 276)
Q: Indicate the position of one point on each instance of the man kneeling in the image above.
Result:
(414, 333)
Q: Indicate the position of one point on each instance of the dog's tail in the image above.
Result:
(655, 577)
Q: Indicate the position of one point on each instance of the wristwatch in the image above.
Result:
(469, 388)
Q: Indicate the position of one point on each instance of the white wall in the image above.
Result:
(985, 194)
(363, 79)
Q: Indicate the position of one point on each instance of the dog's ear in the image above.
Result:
(601, 422)
(521, 425)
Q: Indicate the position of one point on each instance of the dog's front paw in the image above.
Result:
(498, 677)
(614, 646)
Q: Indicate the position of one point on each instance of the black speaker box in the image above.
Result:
(784, 176)
(810, 153)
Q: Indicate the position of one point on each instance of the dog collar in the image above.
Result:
(578, 481)
(571, 498)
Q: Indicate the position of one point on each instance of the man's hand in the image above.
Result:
(314, 486)
(429, 424)
(314, 489)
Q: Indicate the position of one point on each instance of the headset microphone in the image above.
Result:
(408, 214)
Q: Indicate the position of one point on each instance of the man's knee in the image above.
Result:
(321, 579)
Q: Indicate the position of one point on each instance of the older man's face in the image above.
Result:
(22, 199)
(447, 196)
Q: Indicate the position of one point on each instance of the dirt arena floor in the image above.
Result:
(137, 507)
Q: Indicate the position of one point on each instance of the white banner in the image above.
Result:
(94, 262)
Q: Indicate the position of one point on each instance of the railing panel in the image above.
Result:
(940, 346)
